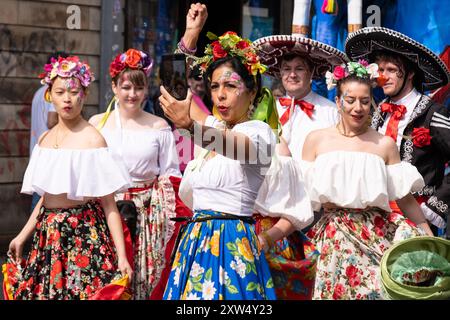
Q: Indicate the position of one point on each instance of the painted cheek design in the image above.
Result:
(233, 77)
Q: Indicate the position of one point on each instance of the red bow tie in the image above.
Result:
(306, 107)
(397, 112)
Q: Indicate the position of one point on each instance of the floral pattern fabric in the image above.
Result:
(351, 243)
(292, 261)
(219, 260)
(72, 256)
(155, 205)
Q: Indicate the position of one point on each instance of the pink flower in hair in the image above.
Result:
(338, 73)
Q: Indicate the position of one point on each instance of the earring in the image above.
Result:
(368, 121)
(251, 110)
(47, 96)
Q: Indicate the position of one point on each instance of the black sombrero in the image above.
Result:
(362, 44)
(271, 50)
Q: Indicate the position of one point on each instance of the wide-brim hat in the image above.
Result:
(271, 50)
(364, 43)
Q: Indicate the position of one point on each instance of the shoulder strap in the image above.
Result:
(102, 122)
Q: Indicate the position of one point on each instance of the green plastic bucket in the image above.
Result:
(399, 291)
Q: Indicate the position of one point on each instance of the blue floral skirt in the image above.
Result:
(219, 260)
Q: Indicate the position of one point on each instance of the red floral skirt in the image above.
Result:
(292, 263)
(72, 257)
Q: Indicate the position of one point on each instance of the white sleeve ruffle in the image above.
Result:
(283, 193)
(402, 179)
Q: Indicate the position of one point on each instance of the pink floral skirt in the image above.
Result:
(351, 243)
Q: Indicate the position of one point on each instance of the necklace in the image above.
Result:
(350, 135)
(56, 145)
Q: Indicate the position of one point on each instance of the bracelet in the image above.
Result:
(268, 238)
(182, 47)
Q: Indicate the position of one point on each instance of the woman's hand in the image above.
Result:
(125, 267)
(177, 111)
(425, 228)
(16, 248)
(263, 243)
(196, 18)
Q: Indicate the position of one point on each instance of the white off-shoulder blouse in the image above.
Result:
(145, 153)
(228, 185)
(283, 193)
(352, 179)
(78, 173)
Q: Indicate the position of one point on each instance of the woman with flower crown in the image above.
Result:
(78, 249)
(352, 172)
(144, 144)
(219, 255)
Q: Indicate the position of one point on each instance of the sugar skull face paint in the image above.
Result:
(67, 95)
(354, 104)
(234, 79)
(230, 95)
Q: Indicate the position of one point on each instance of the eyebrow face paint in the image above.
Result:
(342, 101)
(232, 77)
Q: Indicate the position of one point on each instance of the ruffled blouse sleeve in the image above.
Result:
(283, 193)
(168, 157)
(403, 178)
(78, 173)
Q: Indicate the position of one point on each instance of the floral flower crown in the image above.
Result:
(132, 59)
(230, 44)
(361, 69)
(67, 68)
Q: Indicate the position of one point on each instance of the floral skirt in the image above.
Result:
(351, 243)
(155, 206)
(292, 261)
(219, 260)
(72, 257)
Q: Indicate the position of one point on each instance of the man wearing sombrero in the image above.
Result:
(419, 126)
(296, 60)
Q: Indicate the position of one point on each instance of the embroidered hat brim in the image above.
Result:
(364, 43)
(271, 50)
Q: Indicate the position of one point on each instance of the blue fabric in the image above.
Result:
(219, 259)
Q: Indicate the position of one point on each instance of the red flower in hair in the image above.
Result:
(242, 44)
(133, 58)
(421, 137)
(218, 51)
(339, 73)
(231, 33)
(116, 67)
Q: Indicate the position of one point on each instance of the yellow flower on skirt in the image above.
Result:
(245, 250)
(214, 243)
(176, 260)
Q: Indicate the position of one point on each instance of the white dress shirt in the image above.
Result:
(409, 101)
(300, 125)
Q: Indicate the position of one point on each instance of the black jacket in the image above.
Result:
(429, 160)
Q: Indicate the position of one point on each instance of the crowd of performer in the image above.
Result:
(286, 197)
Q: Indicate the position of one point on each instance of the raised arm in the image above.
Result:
(195, 20)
